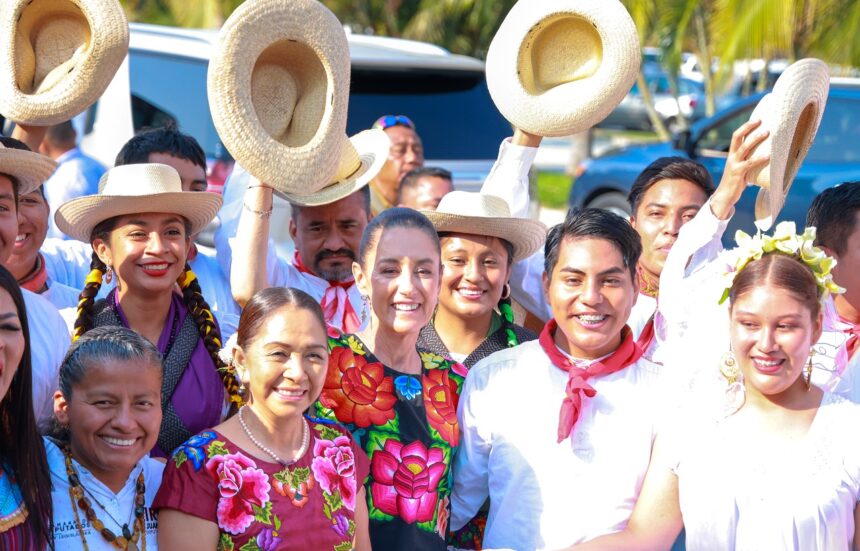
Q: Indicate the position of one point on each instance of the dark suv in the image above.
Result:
(835, 157)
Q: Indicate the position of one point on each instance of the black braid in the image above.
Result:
(87, 298)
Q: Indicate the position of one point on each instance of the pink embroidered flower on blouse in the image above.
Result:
(240, 485)
(406, 479)
(334, 468)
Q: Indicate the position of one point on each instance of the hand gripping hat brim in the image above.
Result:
(487, 215)
(558, 67)
(132, 189)
(791, 113)
(278, 88)
(58, 56)
(29, 169)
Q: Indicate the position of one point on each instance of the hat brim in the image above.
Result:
(29, 169)
(372, 147)
(570, 107)
(85, 81)
(792, 114)
(526, 236)
(78, 217)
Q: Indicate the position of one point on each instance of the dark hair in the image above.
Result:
(192, 296)
(22, 452)
(594, 223)
(669, 168)
(411, 178)
(396, 217)
(98, 346)
(62, 135)
(167, 140)
(12, 143)
(782, 271)
(266, 301)
(364, 193)
(834, 215)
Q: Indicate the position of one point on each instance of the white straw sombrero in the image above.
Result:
(362, 157)
(278, 89)
(58, 56)
(28, 168)
(558, 67)
(136, 188)
(480, 214)
(791, 113)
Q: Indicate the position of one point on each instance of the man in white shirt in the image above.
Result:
(558, 432)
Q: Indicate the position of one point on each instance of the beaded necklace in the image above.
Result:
(128, 539)
(273, 455)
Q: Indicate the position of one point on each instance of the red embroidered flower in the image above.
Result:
(440, 400)
(406, 479)
(334, 468)
(240, 485)
(357, 391)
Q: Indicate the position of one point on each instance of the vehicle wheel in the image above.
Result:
(613, 202)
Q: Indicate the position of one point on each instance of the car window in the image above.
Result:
(184, 101)
(452, 110)
(718, 138)
(838, 137)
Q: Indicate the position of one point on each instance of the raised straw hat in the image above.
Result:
(29, 169)
(479, 214)
(58, 56)
(558, 67)
(278, 89)
(136, 188)
(791, 113)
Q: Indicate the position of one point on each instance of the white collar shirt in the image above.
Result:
(49, 341)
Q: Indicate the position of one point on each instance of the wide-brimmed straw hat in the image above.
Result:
(29, 169)
(278, 90)
(58, 56)
(480, 214)
(136, 188)
(791, 113)
(559, 67)
(362, 157)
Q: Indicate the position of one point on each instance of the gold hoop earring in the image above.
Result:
(729, 367)
(809, 369)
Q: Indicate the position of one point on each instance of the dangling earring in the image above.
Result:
(109, 275)
(729, 367)
(809, 369)
(506, 294)
(365, 300)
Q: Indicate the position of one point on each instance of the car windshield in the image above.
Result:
(452, 110)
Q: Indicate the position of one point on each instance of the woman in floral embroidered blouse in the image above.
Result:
(270, 478)
(399, 402)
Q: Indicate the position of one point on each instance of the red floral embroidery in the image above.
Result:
(357, 391)
(240, 486)
(440, 399)
(406, 480)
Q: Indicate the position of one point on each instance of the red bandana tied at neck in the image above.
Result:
(336, 307)
(853, 332)
(36, 280)
(626, 354)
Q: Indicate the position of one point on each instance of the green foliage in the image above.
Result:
(553, 189)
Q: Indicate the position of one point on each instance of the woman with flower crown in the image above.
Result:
(270, 478)
(776, 470)
(140, 226)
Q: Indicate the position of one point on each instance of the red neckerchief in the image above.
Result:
(853, 332)
(648, 284)
(336, 307)
(36, 280)
(628, 353)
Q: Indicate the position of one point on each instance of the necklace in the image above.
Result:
(301, 452)
(128, 539)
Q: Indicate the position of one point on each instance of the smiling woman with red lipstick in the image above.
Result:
(269, 477)
(140, 227)
(398, 400)
(780, 469)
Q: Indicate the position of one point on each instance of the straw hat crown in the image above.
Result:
(136, 188)
(29, 169)
(791, 113)
(58, 56)
(278, 88)
(481, 214)
(558, 67)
